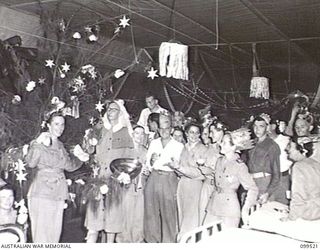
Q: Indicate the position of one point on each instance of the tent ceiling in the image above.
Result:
(270, 23)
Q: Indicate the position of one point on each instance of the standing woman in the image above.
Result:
(193, 154)
(230, 173)
(303, 125)
(114, 142)
(49, 190)
(216, 132)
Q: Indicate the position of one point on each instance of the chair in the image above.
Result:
(201, 233)
(10, 232)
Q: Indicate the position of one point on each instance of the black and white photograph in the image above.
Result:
(160, 121)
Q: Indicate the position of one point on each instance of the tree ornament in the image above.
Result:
(152, 73)
(76, 35)
(124, 21)
(30, 86)
(49, 63)
(99, 106)
(65, 67)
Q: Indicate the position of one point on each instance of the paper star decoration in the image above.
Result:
(21, 177)
(41, 80)
(152, 73)
(65, 67)
(124, 21)
(19, 165)
(49, 63)
(99, 106)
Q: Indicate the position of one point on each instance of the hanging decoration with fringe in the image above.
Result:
(173, 60)
(259, 87)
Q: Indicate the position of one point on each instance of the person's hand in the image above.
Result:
(80, 154)
(263, 198)
(145, 171)
(295, 108)
(174, 164)
(124, 178)
(206, 170)
(154, 157)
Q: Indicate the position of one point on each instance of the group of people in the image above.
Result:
(191, 173)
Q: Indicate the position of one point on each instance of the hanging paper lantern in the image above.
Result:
(259, 87)
(173, 60)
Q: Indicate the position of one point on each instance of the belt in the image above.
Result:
(225, 191)
(260, 175)
(285, 173)
(162, 172)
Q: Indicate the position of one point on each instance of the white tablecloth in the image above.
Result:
(238, 238)
(267, 218)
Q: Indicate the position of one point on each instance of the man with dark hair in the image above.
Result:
(152, 107)
(153, 125)
(264, 162)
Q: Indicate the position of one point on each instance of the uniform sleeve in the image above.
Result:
(298, 193)
(71, 163)
(248, 184)
(33, 155)
(274, 157)
(188, 166)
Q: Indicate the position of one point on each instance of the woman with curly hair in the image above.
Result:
(193, 155)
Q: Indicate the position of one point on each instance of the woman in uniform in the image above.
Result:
(193, 155)
(230, 173)
(216, 132)
(49, 190)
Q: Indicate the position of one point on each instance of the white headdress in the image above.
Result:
(123, 120)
